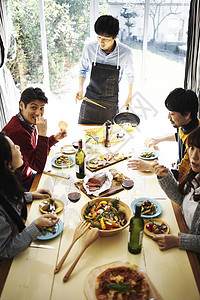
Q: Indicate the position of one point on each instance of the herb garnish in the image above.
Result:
(120, 287)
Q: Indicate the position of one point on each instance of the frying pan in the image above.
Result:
(126, 117)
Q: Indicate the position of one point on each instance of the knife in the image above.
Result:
(41, 246)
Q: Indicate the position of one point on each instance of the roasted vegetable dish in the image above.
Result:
(156, 228)
(105, 215)
(63, 161)
(148, 208)
(147, 154)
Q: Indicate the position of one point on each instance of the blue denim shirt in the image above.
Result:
(125, 59)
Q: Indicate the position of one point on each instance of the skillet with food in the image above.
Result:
(127, 117)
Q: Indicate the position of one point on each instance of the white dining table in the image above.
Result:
(31, 274)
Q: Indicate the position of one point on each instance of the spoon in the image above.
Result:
(81, 228)
(91, 237)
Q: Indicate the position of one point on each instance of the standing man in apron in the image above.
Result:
(107, 59)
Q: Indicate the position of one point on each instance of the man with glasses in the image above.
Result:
(107, 60)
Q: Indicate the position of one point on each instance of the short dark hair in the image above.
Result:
(30, 94)
(182, 101)
(107, 24)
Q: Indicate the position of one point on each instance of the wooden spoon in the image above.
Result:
(91, 237)
(81, 228)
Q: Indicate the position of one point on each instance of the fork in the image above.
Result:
(79, 231)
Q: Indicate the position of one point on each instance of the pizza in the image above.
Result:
(121, 282)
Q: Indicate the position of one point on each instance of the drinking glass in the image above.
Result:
(71, 216)
(139, 185)
(66, 170)
(128, 183)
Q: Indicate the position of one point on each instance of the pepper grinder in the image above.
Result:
(108, 134)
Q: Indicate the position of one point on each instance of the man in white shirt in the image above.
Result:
(107, 60)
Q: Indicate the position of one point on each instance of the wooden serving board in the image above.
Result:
(115, 188)
(108, 164)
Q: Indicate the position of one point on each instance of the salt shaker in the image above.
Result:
(108, 134)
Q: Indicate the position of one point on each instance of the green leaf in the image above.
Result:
(120, 287)
(115, 203)
(95, 138)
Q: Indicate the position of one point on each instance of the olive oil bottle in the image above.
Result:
(80, 161)
(136, 231)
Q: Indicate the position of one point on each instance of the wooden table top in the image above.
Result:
(174, 273)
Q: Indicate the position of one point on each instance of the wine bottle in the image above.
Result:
(80, 161)
(136, 231)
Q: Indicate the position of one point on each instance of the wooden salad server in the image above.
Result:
(92, 235)
(81, 228)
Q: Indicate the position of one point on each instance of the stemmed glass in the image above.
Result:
(139, 185)
(128, 183)
(71, 214)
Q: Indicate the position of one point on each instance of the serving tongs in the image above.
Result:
(92, 235)
(81, 228)
(89, 100)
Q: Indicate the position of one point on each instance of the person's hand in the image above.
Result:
(140, 165)
(41, 194)
(151, 142)
(166, 241)
(79, 96)
(60, 135)
(159, 170)
(46, 220)
(41, 124)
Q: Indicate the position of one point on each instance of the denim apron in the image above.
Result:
(103, 89)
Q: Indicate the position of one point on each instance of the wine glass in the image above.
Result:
(128, 183)
(71, 214)
(66, 169)
(75, 145)
(139, 185)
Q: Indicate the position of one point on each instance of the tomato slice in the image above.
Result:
(149, 227)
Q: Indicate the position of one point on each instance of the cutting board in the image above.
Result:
(116, 187)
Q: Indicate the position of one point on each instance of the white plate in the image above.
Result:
(148, 150)
(64, 166)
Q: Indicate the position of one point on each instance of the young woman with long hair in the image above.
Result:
(14, 235)
(187, 196)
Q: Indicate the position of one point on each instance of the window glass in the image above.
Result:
(158, 44)
(159, 50)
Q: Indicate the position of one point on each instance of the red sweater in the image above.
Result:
(34, 148)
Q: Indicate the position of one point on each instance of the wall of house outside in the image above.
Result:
(158, 70)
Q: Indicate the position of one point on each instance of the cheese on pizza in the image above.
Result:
(121, 283)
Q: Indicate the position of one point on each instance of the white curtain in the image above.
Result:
(9, 95)
(192, 69)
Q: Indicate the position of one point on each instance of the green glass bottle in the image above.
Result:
(136, 231)
(80, 161)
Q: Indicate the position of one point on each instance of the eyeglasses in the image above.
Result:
(104, 38)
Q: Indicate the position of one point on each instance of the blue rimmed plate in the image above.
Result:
(53, 161)
(153, 154)
(49, 235)
(158, 206)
